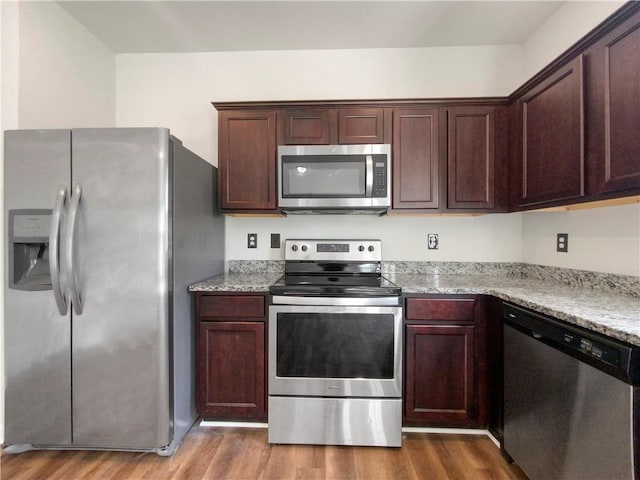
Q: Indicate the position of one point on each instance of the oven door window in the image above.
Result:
(324, 176)
(325, 345)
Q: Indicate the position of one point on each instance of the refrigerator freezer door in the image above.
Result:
(37, 337)
(120, 358)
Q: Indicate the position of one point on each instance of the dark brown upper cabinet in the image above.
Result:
(613, 110)
(360, 126)
(306, 127)
(247, 160)
(415, 159)
(471, 157)
(552, 127)
(334, 126)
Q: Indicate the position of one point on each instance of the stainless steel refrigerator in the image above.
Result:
(105, 230)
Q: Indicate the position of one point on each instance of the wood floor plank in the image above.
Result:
(340, 463)
(243, 454)
(424, 457)
(383, 464)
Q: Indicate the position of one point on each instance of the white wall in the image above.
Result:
(176, 90)
(487, 238)
(603, 239)
(67, 76)
(565, 27)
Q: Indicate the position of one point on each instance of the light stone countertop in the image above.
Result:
(237, 282)
(612, 314)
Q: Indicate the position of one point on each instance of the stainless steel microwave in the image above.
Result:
(334, 178)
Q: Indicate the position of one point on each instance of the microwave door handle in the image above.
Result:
(368, 176)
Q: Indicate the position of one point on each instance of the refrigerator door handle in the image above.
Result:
(54, 250)
(69, 249)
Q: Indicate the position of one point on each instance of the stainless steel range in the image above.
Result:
(335, 347)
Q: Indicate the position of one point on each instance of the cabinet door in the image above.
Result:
(553, 138)
(231, 370)
(360, 125)
(471, 157)
(439, 386)
(247, 160)
(613, 101)
(415, 159)
(306, 127)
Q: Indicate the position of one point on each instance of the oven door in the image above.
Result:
(335, 351)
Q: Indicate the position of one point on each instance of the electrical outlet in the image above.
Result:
(562, 242)
(252, 240)
(433, 243)
(275, 240)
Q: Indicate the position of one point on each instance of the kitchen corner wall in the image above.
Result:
(66, 75)
(602, 239)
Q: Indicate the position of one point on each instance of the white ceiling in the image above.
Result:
(211, 26)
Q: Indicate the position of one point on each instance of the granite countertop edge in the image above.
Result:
(615, 315)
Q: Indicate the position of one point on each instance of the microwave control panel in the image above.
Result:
(379, 176)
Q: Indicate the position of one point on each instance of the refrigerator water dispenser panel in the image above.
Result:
(29, 249)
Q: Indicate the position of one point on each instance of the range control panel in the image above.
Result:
(336, 250)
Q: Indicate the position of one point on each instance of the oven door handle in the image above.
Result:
(393, 301)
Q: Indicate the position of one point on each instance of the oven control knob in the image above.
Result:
(304, 248)
(371, 248)
(294, 248)
(361, 248)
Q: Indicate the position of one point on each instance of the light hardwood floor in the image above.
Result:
(243, 453)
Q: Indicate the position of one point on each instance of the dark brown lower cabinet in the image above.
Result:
(440, 384)
(232, 377)
(231, 370)
(445, 361)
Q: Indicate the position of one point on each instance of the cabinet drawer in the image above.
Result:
(231, 306)
(440, 309)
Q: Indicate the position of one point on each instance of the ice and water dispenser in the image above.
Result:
(29, 249)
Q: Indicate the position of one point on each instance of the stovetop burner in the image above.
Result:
(334, 285)
(333, 268)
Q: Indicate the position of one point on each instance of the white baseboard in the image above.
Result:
(451, 431)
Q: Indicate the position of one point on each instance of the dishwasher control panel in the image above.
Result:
(588, 346)
(600, 351)
(615, 357)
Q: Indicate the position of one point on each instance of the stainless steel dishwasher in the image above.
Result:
(569, 400)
